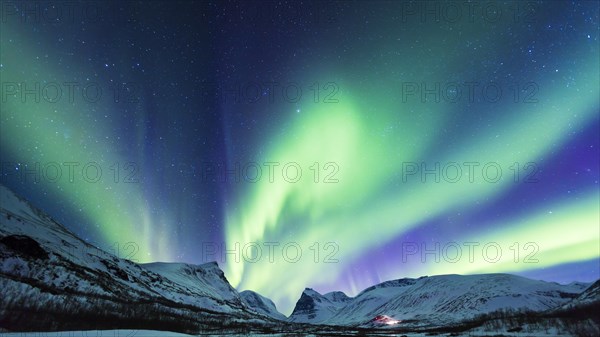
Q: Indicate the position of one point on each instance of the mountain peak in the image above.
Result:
(261, 304)
(315, 307)
(311, 292)
(211, 264)
(337, 296)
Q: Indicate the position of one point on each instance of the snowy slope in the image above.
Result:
(204, 285)
(444, 299)
(98, 333)
(312, 307)
(261, 304)
(45, 268)
(80, 267)
(589, 296)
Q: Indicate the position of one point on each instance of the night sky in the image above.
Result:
(347, 142)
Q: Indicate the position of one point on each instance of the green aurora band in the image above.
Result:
(44, 132)
(370, 206)
(368, 136)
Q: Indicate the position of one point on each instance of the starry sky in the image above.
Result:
(309, 144)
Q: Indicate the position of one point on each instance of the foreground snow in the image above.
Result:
(154, 333)
(96, 333)
(124, 333)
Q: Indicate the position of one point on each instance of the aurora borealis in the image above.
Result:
(382, 139)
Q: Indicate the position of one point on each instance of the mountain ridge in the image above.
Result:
(51, 279)
(436, 300)
(55, 277)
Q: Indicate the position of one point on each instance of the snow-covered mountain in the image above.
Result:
(199, 285)
(261, 304)
(436, 300)
(312, 307)
(51, 278)
(590, 296)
